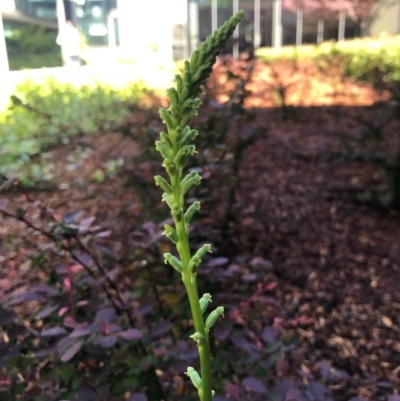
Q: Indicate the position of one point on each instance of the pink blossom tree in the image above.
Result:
(362, 11)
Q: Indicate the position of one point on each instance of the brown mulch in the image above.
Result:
(335, 261)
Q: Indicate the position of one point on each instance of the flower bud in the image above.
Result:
(191, 211)
(189, 176)
(166, 140)
(188, 116)
(178, 80)
(185, 92)
(161, 182)
(203, 250)
(197, 102)
(188, 137)
(194, 264)
(160, 147)
(166, 198)
(194, 377)
(197, 258)
(194, 59)
(171, 233)
(173, 261)
(177, 211)
(167, 119)
(189, 181)
(178, 131)
(184, 154)
(172, 95)
(204, 301)
(198, 337)
(169, 165)
(213, 316)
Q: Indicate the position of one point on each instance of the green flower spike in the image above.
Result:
(176, 148)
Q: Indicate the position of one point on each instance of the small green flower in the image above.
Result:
(213, 317)
(194, 377)
(204, 301)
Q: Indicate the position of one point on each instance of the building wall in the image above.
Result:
(388, 21)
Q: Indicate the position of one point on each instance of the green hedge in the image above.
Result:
(360, 59)
(44, 114)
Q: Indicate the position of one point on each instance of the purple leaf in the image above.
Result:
(71, 352)
(105, 250)
(70, 217)
(86, 223)
(294, 394)
(108, 342)
(3, 204)
(73, 324)
(43, 288)
(131, 334)
(219, 398)
(242, 343)
(317, 391)
(54, 331)
(46, 311)
(34, 296)
(269, 334)
(80, 333)
(144, 310)
(283, 386)
(232, 390)
(7, 317)
(217, 262)
(282, 366)
(83, 258)
(160, 329)
(260, 262)
(63, 311)
(249, 277)
(137, 397)
(45, 352)
(394, 397)
(324, 369)
(221, 332)
(105, 315)
(103, 234)
(17, 330)
(254, 385)
(87, 394)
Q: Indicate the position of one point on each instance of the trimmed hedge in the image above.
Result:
(361, 59)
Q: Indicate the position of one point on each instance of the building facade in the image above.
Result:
(173, 28)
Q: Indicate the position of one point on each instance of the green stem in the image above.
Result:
(190, 282)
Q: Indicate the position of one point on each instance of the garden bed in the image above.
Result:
(335, 262)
